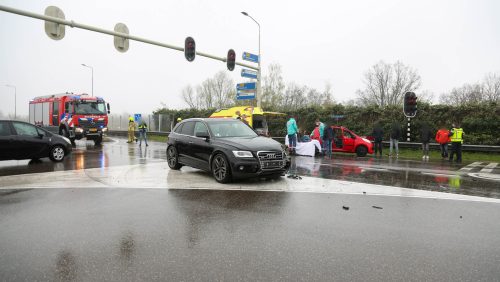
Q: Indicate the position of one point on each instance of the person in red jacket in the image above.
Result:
(443, 138)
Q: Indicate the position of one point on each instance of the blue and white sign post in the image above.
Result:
(245, 91)
(250, 57)
(249, 73)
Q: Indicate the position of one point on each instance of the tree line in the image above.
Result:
(383, 84)
(475, 105)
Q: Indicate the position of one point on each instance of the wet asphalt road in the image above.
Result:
(434, 175)
(200, 235)
(110, 234)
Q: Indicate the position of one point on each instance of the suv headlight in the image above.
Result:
(243, 154)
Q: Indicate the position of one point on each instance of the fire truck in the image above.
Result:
(74, 116)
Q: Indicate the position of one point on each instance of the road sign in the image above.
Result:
(137, 117)
(245, 94)
(337, 116)
(248, 73)
(250, 57)
(245, 86)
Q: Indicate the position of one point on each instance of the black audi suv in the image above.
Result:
(228, 148)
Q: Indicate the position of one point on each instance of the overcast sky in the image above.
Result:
(448, 42)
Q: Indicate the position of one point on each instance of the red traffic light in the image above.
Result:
(410, 104)
(189, 49)
(231, 59)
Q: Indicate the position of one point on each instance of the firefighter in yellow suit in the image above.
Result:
(131, 130)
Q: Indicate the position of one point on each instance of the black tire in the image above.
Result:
(173, 158)
(361, 151)
(98, 141)
(221, 169)
(57, 153)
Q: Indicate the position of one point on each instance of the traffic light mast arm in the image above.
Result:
(74, 24)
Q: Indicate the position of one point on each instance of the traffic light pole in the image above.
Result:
(74, 24)
(408, 134)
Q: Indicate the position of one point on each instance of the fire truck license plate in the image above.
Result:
(93, 130)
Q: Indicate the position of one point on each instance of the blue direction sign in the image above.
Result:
(250, 57)
(248, 73)
(137, 117)
(245, 94)
(245, 86)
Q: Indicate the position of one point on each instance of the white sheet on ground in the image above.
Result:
(306, 148)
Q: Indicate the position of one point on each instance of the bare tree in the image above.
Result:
(491, 87)
(466, 94)
(294, 97)
(223, 90)
(273, 87)
(216, 92)
(327, 98)
(190, 97)
(385, 84)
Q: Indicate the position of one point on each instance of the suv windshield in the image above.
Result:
(234, 128)
(90, 107)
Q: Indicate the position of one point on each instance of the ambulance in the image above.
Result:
(255, 117)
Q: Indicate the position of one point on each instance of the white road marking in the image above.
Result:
(488, 176)
(471, 166)
(489, 168)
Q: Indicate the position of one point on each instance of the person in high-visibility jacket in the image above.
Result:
(131, 130)
(456, 135)
(143, 128)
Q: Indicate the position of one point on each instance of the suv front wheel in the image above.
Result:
(221, 169)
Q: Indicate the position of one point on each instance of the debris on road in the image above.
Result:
(294, 176)
(345, 208)
(377, 207)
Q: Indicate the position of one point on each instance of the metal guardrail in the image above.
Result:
(411, 145)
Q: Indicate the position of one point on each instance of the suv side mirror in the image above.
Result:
(109, 109)
(204, 135)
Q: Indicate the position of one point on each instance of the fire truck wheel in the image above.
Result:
(57, 153)
(173, 158)
(98, 141)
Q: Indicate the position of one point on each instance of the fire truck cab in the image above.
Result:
(74, 116)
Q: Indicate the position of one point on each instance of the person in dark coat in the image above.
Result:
(395, 136)
(378, 135)
(425, 137)
(328, 137)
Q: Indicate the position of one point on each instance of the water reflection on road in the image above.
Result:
(435, 176)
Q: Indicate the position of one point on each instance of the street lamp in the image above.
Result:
(15, 99)
(259, 90)
(92, 77)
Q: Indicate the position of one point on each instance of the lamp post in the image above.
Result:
(259, 89)
(15, 99)
(92, 77)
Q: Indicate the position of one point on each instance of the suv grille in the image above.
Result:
(271, 159)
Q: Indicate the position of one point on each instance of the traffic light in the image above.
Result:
(410, 104)
(231, 59)
(189, 49)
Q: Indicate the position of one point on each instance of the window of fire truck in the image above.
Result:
(90, 107)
